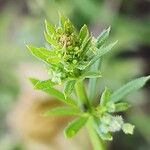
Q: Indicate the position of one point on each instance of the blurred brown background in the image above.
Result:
(22, 126)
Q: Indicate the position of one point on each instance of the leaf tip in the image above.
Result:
(45, 21)
(65, 95)
(66, 134)
(28, 46)
(115, 42)
(108, 29)
(33, 81)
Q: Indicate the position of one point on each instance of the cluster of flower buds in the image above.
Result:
(70, 52)
(109, 122)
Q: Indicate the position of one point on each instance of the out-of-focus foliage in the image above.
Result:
(130, 25)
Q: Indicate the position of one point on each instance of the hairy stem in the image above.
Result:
(81, 93)
(95, 139)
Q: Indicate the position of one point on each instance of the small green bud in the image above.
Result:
(121, 106)
(74, 61)
(76, 48)
(128, 128)
(59, 55)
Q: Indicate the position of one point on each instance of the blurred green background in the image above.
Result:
(22, 22)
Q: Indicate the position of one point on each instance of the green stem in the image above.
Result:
(81, 93)
(94, 82)
(97, 143)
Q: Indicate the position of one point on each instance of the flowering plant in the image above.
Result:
(72, 57)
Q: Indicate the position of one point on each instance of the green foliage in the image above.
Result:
(72, 57)
(102, 38)
(74, 126)
(84, 33)
(128, 88)
(91, 74)
(105, 97)
(102, 51)
(71, 53)
(52, 91)
(69, 87)
(59, 111)
(44, 54)
(121, 106)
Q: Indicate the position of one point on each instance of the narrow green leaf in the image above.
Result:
(81, 94)
(74, 126)
(69, 27)
(41, 53)
(69, 86)
(83, 65)
(102, 51)
(128, 88)
(105, 97)
(102, 37)
(44, 54)
(85, 46)
(62, 20)
(41, 84)
(50, 40)
(33, 81)
(121, 107)
(83, 33)
(53, 60)
(54, 92)
(91, 75)
(49, 28)
(62, 110)
(110, 106)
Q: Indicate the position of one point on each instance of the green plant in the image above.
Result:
(71, 58)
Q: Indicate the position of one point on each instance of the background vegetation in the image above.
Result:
(22, 21)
